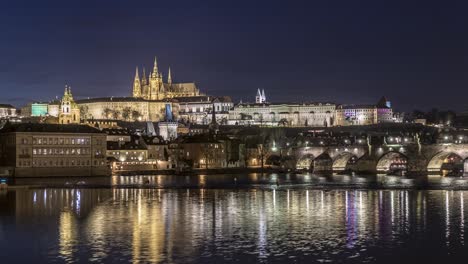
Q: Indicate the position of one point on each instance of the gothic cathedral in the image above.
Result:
(153, 87)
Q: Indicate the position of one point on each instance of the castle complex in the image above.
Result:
(151, 97)
(154, 88)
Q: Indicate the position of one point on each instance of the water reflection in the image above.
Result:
(253, 180)
(210, 225)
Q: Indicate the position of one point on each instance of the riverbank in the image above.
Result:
(209, 171)
(265, 180)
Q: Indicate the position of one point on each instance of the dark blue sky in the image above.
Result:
(414, 52)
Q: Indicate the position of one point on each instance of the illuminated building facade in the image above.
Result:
(39, 109)
(282, 114)
(196, 110)
(69, 111)
(167, 129)
(127, 151)
(125, 108)
(347, 115)
(154, 88)
(7, 110)
(365, 114)
(35, 150)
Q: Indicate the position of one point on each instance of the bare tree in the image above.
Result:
(115, 114)
(135, 115)
(126, 113)
(106, 112)
(84, 112)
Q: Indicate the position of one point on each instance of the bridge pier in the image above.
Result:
(465, 168)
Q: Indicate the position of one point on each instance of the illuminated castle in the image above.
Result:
(154, 88)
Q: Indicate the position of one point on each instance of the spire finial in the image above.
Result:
(155, 67)
(136, 74)
(169, 77)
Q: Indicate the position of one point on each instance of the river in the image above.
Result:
(252, 219)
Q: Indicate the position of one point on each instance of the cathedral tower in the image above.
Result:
(152, 86)
(136, 85)
(155, 82)
(169, 77)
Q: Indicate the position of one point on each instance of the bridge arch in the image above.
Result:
(274, 160)
(445, 163)
(305, 162)
(392, 161)
(323, 163)
(343, 160)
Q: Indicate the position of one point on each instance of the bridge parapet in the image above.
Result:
(414, 157)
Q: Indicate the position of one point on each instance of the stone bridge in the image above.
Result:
(441, 159)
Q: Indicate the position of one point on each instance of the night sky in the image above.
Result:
(351, 51)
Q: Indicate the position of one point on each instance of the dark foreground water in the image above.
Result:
(264, 223)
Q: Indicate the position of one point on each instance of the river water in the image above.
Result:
(267, 219)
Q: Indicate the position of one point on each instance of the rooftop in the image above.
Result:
(203, 99)
(287, 104)
(115, 99)
(6, 106)
(47, 128)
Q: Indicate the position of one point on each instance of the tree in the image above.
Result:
(84, 112)
(126, 113)
(283, 122)
(106, 112)
(135, 115)
(115, 114)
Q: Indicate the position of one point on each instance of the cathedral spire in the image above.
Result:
(155, 67)
(169, 77)
(136, 85)
(136, 74)
(263, 96)
(143, 78)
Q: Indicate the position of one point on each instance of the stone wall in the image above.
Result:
(62, 172)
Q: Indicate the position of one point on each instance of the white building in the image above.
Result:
(365, 114)
(347, 115)
(7, 110)
(282, 114)
(197, 109)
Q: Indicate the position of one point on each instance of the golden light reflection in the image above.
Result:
(67, 235)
